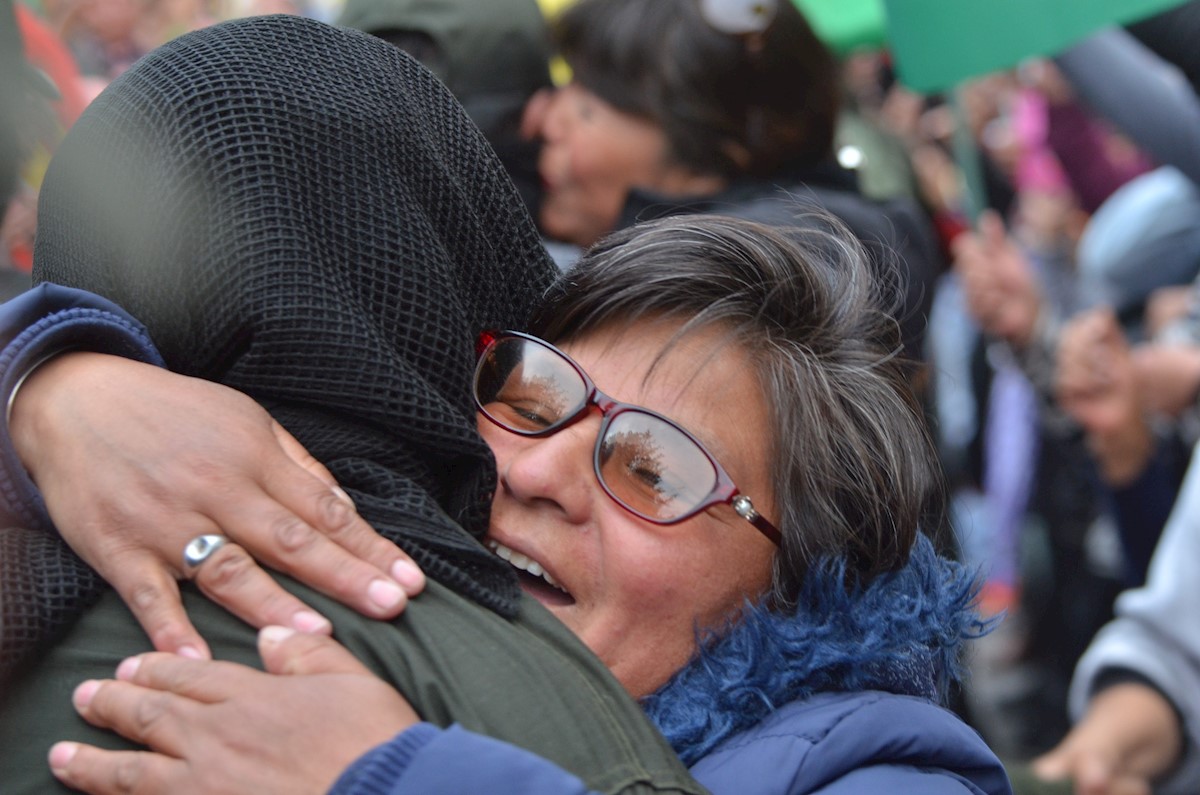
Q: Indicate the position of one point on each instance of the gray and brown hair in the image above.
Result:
(854, 472)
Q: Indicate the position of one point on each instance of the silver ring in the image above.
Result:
(200, 549)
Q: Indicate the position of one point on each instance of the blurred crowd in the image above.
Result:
(1048, 304)
(78, 47)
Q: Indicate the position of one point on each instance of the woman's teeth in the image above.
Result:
(523, 562)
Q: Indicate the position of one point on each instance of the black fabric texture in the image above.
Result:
(44, 586)
(305, 213)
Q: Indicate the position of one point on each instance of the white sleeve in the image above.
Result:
(1156, 631)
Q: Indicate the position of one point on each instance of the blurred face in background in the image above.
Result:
(111, 20)
(592, 156)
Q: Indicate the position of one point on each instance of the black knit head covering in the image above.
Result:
(305, 214)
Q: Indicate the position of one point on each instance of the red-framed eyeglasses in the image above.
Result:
(647, 463)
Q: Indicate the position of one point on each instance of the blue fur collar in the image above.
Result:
(903, 633)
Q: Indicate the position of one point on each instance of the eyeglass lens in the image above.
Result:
(652, 467)
(643, 462)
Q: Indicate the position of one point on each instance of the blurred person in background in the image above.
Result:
(493, 57)
(106, 36)
(1105, 381)
(729, 106)
(39, 101)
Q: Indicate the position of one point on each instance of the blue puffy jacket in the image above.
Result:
(832, 743)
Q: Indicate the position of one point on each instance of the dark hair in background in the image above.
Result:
(854, 471)
(729, 104)
(492, 56)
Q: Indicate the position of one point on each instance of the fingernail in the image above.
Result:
(310, 623)
(84, 693)
(191, 652)
(273, 635)
(342, 495)
(407, 573)
(385, 594)
(61, 755)
(128, 668)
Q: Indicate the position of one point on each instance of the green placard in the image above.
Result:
(846, 25)
(937, 43)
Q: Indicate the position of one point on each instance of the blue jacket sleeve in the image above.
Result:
(857, 743)
(46, 320)
(453, 761)
(843, 743)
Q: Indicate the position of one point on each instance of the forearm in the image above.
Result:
(1155, 631)
(1037, 360)
(43, 585)
(1134, 648)
(1130, 732)
(43, 322)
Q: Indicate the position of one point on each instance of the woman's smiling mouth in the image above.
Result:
(535, 580)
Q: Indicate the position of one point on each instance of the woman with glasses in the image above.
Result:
(690, 471)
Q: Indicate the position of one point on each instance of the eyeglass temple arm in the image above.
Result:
(745, 509)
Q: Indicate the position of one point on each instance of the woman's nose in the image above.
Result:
(554, 117)
(555, 469)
